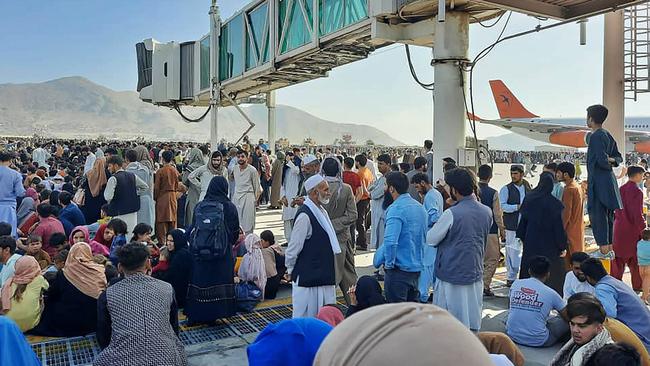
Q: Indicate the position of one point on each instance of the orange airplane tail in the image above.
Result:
(507, 104)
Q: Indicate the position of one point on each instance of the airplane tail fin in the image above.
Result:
(507, 104)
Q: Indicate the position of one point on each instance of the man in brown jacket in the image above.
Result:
(572, 215)
(342, 211)
(165, 187)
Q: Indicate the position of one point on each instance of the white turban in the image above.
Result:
(313, 181)
(308, 159)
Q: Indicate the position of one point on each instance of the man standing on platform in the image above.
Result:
(490, 198)
(512, 196)
(603, 196)
(573, 213)
(247, 191)
(310, 255)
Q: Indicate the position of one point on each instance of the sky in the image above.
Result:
(549, 71)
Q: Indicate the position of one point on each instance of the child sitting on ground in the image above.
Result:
(34, 249)
(59, 263)
(273, 263)
(119, 229)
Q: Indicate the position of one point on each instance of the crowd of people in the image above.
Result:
(93, 235)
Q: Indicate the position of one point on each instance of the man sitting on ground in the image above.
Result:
(588, 334)
(529, 320)
(575, 280)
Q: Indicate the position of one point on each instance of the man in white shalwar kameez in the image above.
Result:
(247, 191)
(289, 191)
(377, 190)
(11, 187)
(310, 255)
(40, 156)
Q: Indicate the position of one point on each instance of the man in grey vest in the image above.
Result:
(460, 236)
(511, 197)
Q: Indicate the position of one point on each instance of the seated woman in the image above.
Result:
(47, 225)
(142, 234)
(71, 302)
(23, 292)
(252, 265)
(103, 236)
(177, 268)
(273, 263)
(80, 235)
(127, 337)
(16, 350)
(366, 293)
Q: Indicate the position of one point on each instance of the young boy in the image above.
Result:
(273, 263)
(59, 263)
(643, 256)
(34, 248)
(59, 241)
(119, 229)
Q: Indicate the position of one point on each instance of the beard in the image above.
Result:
(388, 200)
(323, 200)
(241, 162)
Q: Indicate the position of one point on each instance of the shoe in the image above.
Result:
(487, 292)
(362, 248)
(509, 283)
(597, 254)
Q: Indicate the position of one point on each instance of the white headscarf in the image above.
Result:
(252, 265)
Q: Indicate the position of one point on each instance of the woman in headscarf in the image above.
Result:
(93, 187)
(365, 294)
(80, 235)
(395, 334)
(141, 165)
(22, 293)
(291, 342)
(331, 315)
(179, 265)
(202, 176)
(194, 161)
(542, 232)
(276, 182)
(26, 209)
(103, 236)
(71, 302)
(211, 292)
(252, 266)
(16, 350)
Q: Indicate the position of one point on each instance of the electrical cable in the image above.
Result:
(177, 108)
(479, 22)
(414, 73)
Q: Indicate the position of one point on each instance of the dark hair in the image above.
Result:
(420, 178)
(331, 167)
(419, 162)
(539, 266)
(462, 180)
(394, 167)
(619, 354)
(646, 234)
(516, 168)
(167, 156)
(579, 257)
(398, 181)
(115, 159)
(140, 229)
(566, 167)
(428, 144)
(242, 151)
(448, 166)
(110, 272)
(58, 239)
(593, 267)
(33, 237)
(267, 235)
(385, 158)
(634, 170)
(5, 229)
(598, 113)
(361, 159)
(8, 241)
(484, 172)
(110, 150)
(593, 310)
(551, 166)
(62, 255)
(131, 155)
(45, 194)
(65, 198)
(348, 162)
(6, 156)
(118, 226)
(132, 255)
(45, 210)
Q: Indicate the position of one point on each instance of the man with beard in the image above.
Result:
(310, 255)
(377, 191)
(572, 215)
(575, 281)
(202, 175)
(310, 167)
(247, 191)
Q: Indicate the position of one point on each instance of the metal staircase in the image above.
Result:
(637, 50)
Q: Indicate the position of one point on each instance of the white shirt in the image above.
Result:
(439, 231)
(572, 285)
(90, 161)
(109, 191)
(9, 268)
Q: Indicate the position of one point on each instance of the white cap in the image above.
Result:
(308, 159)
(313, 181)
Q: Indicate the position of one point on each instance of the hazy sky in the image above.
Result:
(550, 72)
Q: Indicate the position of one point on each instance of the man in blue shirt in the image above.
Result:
(433, 204)
(11, 187)
(618, 299)
(404, 237)
(531, 301)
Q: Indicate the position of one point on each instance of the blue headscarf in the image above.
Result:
(14, 349)
(292, 342)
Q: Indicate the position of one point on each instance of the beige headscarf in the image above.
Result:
(97, 177)
(143, 156)
(401, 334)
(86, 275)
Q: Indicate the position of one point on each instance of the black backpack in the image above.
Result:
(209, 239)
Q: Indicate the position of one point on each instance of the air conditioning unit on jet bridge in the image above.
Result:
(167, 71)
(380, 8)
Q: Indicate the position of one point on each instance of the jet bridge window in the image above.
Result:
(338, 14)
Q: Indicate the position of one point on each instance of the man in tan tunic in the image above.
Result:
(572, 215)
(247, 191)
(166, 185)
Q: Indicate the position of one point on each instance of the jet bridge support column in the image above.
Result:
(613, 78)
(449, 115)
(215, 30)
(270, 104)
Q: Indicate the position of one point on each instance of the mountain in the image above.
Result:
(77, 107)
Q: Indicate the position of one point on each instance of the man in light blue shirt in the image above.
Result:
(8, 258)
(530, 322)
(404, 238)
(433, 204)
(511, 197)
(11, 187)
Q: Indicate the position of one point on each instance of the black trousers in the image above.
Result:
(602, 223)
(401, 286)
(363, 207)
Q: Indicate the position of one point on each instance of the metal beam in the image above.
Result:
(532, 7)
(594, 6)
